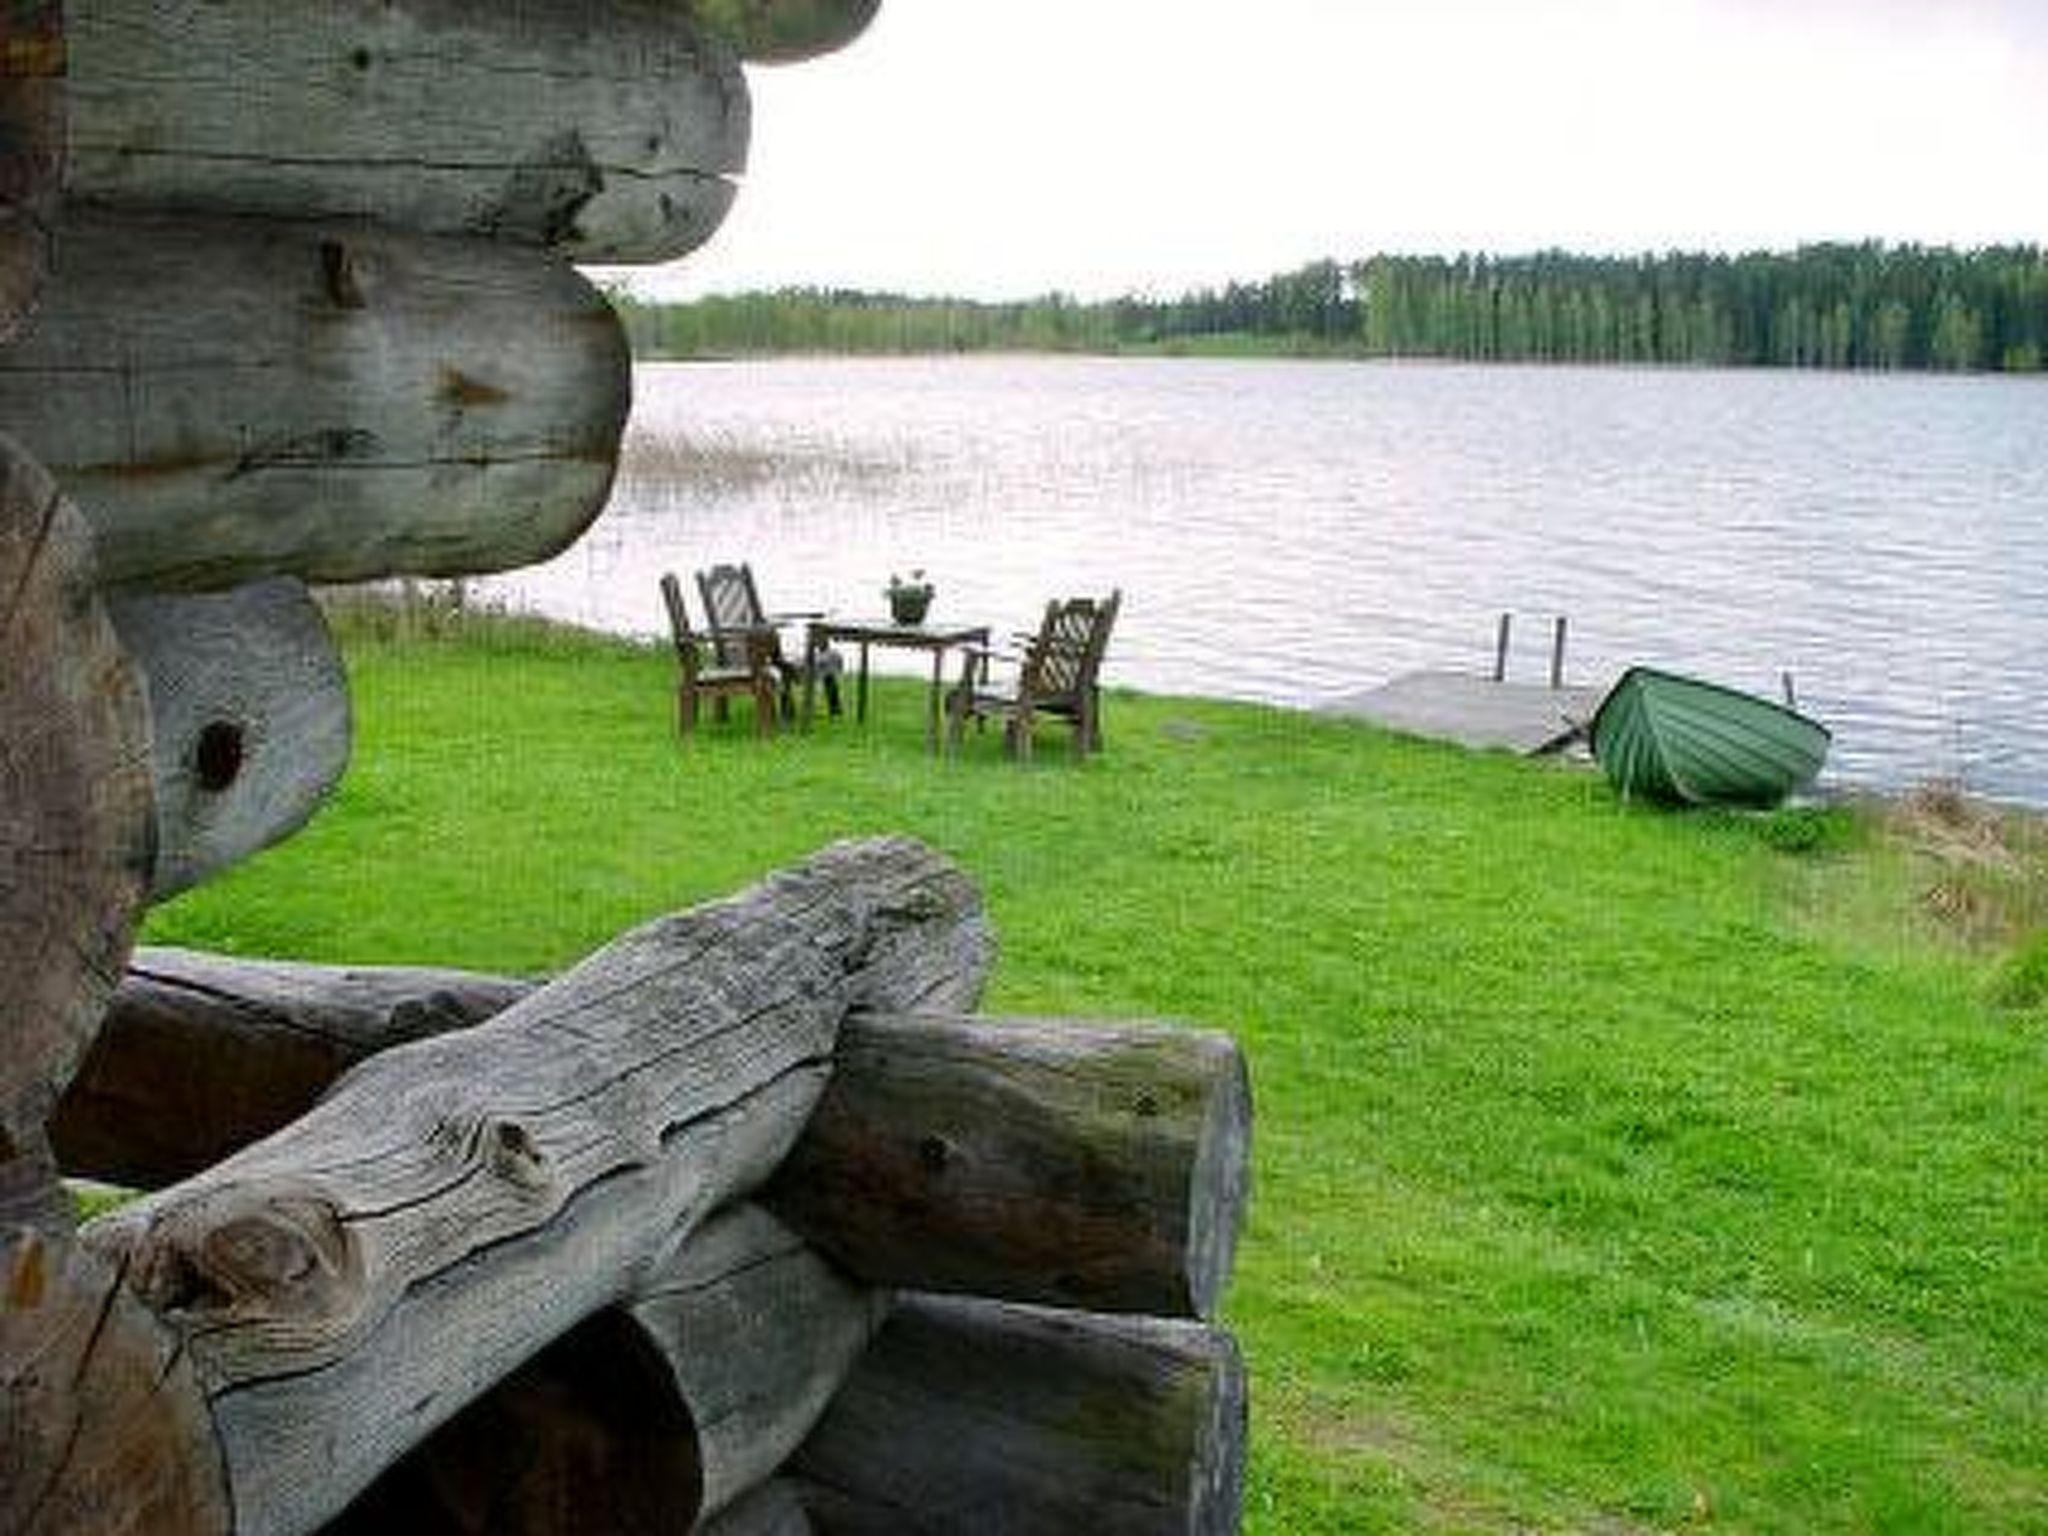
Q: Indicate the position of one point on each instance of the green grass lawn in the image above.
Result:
(1616, 1170)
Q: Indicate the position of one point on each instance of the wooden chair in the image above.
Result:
(706, 675)
(732, 608)
(1056, 674)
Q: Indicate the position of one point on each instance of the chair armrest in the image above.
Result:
(977, 661)
(984, 656)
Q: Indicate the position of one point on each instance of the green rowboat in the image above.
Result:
(1686, 742)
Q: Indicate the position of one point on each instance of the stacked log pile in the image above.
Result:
(670, 1227)
(747, 1223)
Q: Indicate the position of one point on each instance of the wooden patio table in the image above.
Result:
(868, 633)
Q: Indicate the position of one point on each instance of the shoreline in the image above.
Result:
(429, 609)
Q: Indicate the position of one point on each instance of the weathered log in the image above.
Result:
(1041, 1160)
(32, 118)
(102, 1425)
(648, 1417)
(1093, 1165)
(75, 821)
(787, 31)
(605, 129)
(249, 720)
(1096, 1165)
(348, 1284)
(759, 1333)
(969, 1415)
(200, 1056)
(231, 399)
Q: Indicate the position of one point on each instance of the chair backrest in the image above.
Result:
(732, 607)
(678, 616)
(1061, 663)
(680, 635)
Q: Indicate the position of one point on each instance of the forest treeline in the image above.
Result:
(1870, 306)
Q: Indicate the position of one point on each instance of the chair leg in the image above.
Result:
(686, 710)
(832, 704)
(765, 715)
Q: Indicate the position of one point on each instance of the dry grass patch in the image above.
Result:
(1982, 868)
(659, 463)
(1941, 872)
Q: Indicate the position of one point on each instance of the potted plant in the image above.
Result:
(909, 600)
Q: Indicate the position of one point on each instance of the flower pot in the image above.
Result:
(909, 605)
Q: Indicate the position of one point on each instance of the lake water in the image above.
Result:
(1291, 531)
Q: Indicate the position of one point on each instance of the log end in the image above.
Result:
(251, 720)
(787, 31)
(972, 1415)
(103, 1428)
(1220, 1186)
(1216, 1487)
(1057, 1161)
(76, 829)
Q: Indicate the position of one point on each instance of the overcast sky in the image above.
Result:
(997, 148)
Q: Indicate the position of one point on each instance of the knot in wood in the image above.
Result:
(503, 1148)
(543, 197)
(245, 1253)
(338, 271)
(515, 1156)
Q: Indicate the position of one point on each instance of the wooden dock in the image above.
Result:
(1476, 711)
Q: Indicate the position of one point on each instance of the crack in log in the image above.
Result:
(76, 1429)
(782, 1255)
(100, 1321)
(330, 446)
(721, 177)
(459, 1177)
(46, 523)
(257, 462)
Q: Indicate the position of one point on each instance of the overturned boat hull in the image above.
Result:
(1684, 741)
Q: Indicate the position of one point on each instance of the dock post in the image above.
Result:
(1500, 649)
(1557, 653)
